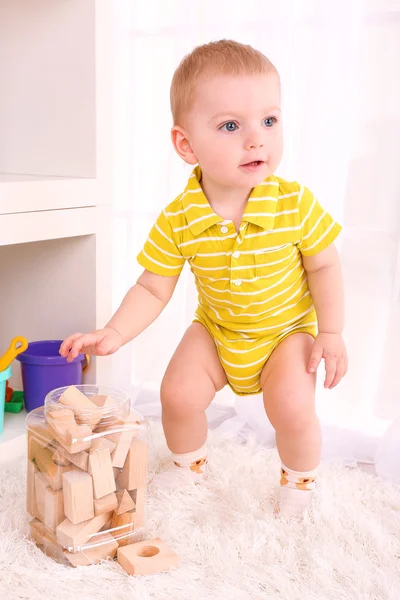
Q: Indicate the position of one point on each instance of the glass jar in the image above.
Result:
(86, 474)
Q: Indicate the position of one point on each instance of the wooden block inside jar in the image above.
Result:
(122, 527)
(105, 504)
(106, 548)
(54, 509)
(139, 497)
(77, 439)
(80, 459)
(86, 411)
(72, 537)
(41, 487)
(101, 470)
(45, 540)
(43, 458)
(125, 502)
(78, 496)
(31, 469)
(134, 472)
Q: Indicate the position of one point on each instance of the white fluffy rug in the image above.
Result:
(230, 545)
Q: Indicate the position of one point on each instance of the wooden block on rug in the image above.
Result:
(72, 537)
(106, 547)
(78, 496)
(145, 558)
(101, 470)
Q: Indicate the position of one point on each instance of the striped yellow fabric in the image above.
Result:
(252, 286)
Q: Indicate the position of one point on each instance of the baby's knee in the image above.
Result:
(292, 413)
(175, 397)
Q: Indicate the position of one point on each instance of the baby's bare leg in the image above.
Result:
(289, 399)
(193, 376)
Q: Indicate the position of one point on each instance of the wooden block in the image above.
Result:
(125, 502)
(100, 468)
(85, 410)
(72, 537)
(78, 496)
(106, 547)
(140, 502)
(102, 400)
(77, 438)
(41, 486)
(80, 459)
(105, 504)
(43, 458)
(60, 459)
(101, 443)
(144, 558)
(60, 416)
(123, 441)
(54, 509)
(122, 527)
(134, 472)
(31, 469)
(39, 438)
(46, 540)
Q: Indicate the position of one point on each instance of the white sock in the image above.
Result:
(187, 469)
(296, 492)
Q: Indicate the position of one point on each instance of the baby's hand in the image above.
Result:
(331, 347)
(100, 343)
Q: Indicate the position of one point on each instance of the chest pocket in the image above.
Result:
(270, 262)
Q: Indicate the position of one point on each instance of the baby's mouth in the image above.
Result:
(254, 164)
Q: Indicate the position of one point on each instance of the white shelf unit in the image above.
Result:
(55, 178)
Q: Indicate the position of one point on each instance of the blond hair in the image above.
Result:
(225, 57)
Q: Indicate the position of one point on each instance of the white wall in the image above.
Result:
(47, 75)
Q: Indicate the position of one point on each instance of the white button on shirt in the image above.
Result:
(236, 254)
(237, 282)
(224, 229)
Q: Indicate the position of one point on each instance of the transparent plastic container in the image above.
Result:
(86, 474)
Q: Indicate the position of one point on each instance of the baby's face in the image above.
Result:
(234, 121)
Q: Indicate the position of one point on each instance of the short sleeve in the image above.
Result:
(160, 253)
(317, 229)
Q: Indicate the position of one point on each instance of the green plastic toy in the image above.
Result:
(16, 403)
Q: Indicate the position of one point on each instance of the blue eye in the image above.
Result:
(269, 121)
(231, 126)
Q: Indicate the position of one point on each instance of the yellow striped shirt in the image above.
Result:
(253, 281)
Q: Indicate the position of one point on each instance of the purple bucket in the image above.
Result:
(43, 370)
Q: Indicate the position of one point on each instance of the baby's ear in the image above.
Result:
(180, 140)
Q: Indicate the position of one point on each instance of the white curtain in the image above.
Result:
(340, 69)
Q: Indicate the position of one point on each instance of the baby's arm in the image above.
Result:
(141, 306)
(325, 282)
(324, 277)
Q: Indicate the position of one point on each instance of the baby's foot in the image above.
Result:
(176, 477)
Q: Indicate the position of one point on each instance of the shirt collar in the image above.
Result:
(260, 208)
